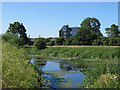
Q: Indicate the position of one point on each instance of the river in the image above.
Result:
(59, 73)
(74, 73)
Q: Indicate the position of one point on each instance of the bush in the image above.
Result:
(17, 72)
(39, 44)
(51, 43)
(13, 39)
(59, 41)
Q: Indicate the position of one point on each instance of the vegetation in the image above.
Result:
(18, 29)
(89, 31)
(12, 39)
(105, 75)
(99, 74)
(16, 70)
(40, 44)
(113, 31)
(81, 52)
(89, 34)
(18, 73)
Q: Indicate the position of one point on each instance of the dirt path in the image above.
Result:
(83, 46)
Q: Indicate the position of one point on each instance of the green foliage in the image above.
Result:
(81, 52)
(113, 31)
(13, 39)
(40, 44)
(99, 73)
(88, 32)
(18, 29)
(17, 72)
(108, 41)
(83, 37)
(102, 75)
(59, 41)
(51, 43)
(91, 23)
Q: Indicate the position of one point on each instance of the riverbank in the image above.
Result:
(77, 52)
(94, 62)
(17, 72)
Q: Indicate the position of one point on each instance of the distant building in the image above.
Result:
(67, 31)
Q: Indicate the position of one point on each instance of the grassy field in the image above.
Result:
(87, 52)
(17, 72)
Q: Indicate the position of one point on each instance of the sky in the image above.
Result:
(47, 18)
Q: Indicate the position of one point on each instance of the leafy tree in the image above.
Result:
(88, 32)
(83, 37)
(12, 39)
(113, 31)
(40, 44)
(92, 24)
(18, 29)
(97, 42)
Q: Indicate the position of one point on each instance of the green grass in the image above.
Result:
(95, 63)
(81, 52)
(99, 74)
(17, 72)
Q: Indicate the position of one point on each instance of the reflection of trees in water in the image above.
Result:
(66, 66)
(40, 63)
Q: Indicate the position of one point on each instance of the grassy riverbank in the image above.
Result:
(77, 52)
(99, 74)
(16, 70)
(100, 64)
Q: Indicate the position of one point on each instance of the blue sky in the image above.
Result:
(47, 18)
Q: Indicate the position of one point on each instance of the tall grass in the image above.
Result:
(81, 52)
(16, 70)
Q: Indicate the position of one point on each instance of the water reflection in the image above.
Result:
(60, 74)
(66, 66)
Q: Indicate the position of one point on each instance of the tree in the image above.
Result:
(92, 24)
(88, 32)
(12, 39)
(18, 29)
(113, 31)
(40, 44)
(83, 37)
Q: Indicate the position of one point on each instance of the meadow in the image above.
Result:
(77, 52)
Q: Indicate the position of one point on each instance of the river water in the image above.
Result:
(59, 73)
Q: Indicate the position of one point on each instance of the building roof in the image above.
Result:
(70, 28)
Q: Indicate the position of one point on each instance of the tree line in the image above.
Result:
(88, 34)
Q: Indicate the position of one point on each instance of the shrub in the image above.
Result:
(39, 44)
(17, 72)
(51, 43)
(13, 39)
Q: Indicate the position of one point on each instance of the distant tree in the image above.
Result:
(92, 24)
(88, 32)
(18, 29)
(83, 37)
(39, 44)
(113, 31)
